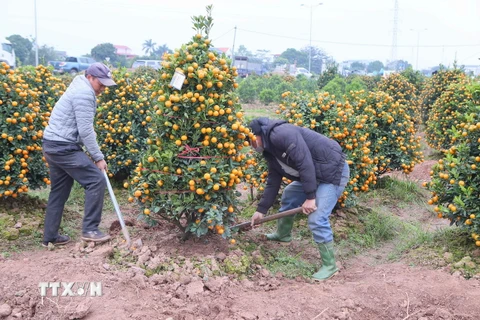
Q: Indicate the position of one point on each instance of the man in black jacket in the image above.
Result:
(320, 173)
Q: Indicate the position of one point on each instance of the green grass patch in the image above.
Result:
(71, 223)
(121, 258)
(260, 112)
(76, 199)
(41, 194)
(396, 226)
(248, 246)
(412, 236)
(448, 246)
(257, 110)
(450, 239)
(373, 231)
(20, 222)
(291, 266)
(396, 191)
(247, 209)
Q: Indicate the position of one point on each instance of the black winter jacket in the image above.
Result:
(299, 154)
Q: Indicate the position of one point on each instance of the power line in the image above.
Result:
(363, 44)
(223, 34)
(471, 56)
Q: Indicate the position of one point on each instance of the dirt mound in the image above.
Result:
(184, 289)
(162, 277)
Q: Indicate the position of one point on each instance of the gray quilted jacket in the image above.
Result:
(73, 115)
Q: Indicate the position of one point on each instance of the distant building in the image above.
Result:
(265, 56)
(246, 67)
(472, 70)
(345, 67)
(224, 50)
(398, 65)
(292, 70)
(125, 51)
(430, 72)
(285, 69)
(386, 73)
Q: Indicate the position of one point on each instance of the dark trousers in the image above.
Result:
(64, 169)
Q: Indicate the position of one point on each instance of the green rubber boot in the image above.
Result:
(284, 230)
(329, 266)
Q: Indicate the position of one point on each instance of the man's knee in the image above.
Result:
(101, 181)
(97, 181)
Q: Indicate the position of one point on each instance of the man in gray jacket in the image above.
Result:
(317, 166)
(70, 127)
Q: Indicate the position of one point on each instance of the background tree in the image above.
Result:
(149, 47)
(160, 50)
(318, 58)
(328, 75)
(374, 66)
(262, 54)
(102, 51)
(279, 61)
(414, 77)
(398, 65)
(254, 59)
(257, 57)
(336, 86)
(22, 46)
(122, 61)
(294, 56)
(403, 64)
(355, 83)
(357, 66)
(242, 51)
(45, 54)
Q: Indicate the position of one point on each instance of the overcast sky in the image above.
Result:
(345, 29)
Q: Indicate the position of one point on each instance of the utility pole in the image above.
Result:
(443, 54)
(311, 6)
(395, 31)
(36, 35)
(233, 47)
(418, 43)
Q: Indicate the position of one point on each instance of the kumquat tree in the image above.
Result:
(392, 133)
(376, 132)
(435, 86)
(26, 98)
(403, 92)
(322, 113)
(123, 121)
(195, 158)
(443, 115)
(455, 183)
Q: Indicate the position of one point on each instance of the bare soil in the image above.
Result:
(189, 284)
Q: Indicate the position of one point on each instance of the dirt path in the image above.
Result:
(366, 287)
(360, 291)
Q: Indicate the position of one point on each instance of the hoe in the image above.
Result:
(248, 224)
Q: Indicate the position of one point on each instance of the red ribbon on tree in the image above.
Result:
(189, 152)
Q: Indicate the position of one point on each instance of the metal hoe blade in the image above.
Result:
(117, 210)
